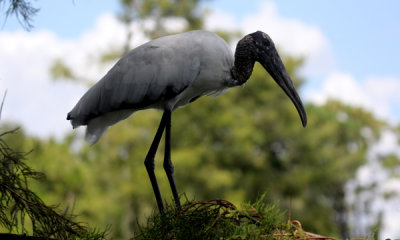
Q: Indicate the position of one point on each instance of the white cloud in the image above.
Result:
(378, 95)
(175, 24)
(342, 87)
(373, 174)
(387, 144)
(292, 36)
(33, 99)
(217, 20)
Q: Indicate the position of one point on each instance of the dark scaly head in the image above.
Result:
(259, 47)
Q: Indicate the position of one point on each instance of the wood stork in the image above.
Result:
(171, 72)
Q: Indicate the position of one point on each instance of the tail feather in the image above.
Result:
(96, 127)
(94, 132)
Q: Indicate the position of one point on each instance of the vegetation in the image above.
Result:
(22, 9)
(220, 219)
(22, 211)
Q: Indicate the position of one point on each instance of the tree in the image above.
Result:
(22, 9)
(22, 212)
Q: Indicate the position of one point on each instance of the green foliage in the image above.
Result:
(259, 220)
(217, 219)
(59, 70)
(390, 161)
(20, 207)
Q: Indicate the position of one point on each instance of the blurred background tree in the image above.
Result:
(238, 146)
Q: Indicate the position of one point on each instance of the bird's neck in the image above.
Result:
(244, 61)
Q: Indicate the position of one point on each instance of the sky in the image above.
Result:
(351, 50)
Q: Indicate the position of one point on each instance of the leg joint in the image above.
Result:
(149, 163)
(168, 167)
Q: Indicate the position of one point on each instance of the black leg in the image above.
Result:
(168, 166)
(149, 162)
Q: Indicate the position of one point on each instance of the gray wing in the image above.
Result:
(149, 74)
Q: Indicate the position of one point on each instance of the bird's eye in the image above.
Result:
(266, 40)
(267, 44)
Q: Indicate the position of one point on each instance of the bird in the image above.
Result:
(170, 72)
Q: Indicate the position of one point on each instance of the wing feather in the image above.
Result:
(149, 74)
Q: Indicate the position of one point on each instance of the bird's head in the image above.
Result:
(258, 46)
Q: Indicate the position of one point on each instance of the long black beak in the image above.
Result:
(274, 66)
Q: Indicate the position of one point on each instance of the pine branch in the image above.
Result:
(19, 204)
(11, 236)
(23, 10)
